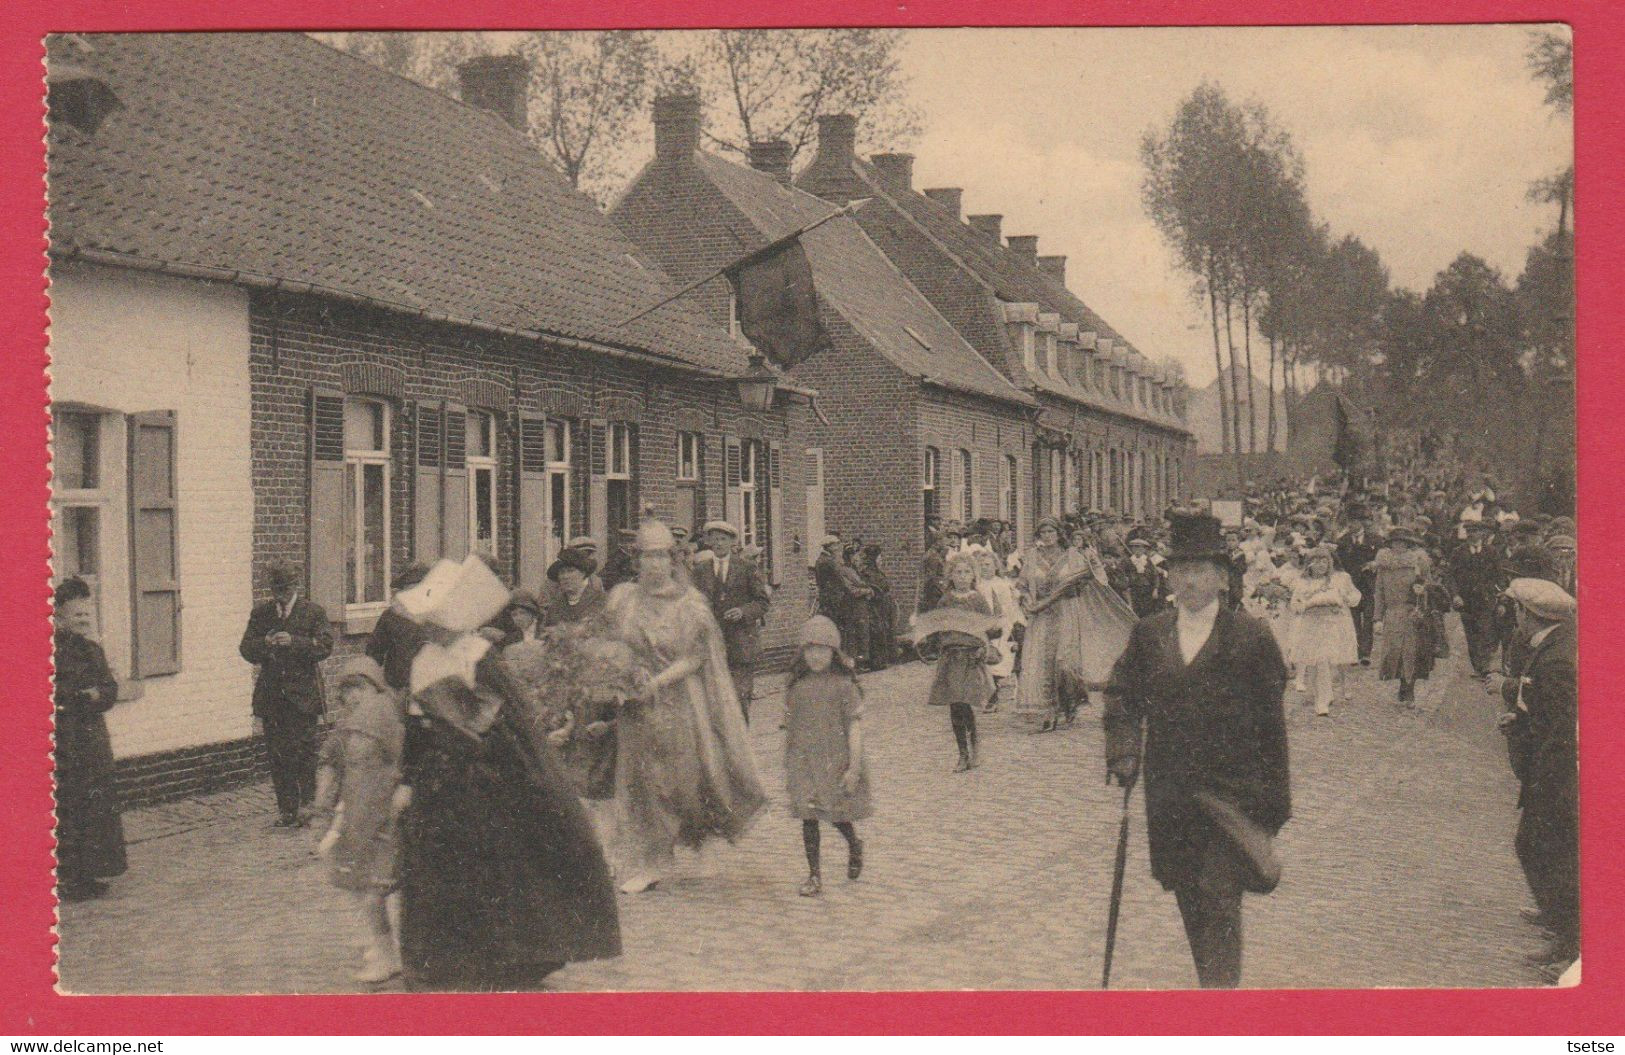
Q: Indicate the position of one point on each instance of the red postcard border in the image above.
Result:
(28, 1003)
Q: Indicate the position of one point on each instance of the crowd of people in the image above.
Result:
(500, 761)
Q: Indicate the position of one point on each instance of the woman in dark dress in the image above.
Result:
(90, 836)
(882, 610)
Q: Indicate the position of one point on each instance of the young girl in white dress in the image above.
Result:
(1325, 641)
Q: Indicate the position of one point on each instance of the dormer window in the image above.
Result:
(1029, 356)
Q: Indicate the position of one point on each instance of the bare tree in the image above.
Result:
(762, 84)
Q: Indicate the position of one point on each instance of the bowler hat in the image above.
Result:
(1196, 537)
(1254, 846)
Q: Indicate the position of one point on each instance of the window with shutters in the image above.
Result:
(967, 487)
(480, 455)
(366, 504)
(620, 457)
(79, 496)
(928, 484)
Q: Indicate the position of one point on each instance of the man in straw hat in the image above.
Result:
(1542, 724)
(739, 597)
(1200, 688)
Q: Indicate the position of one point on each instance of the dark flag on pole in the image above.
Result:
(776, 302)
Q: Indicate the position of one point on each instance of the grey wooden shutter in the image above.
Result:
(454, 526)
(775, 513)
(155, 588)
(598, 487)
(580, 472)
(426, 486)
(732, 502)
(327, 511)
(530, 494)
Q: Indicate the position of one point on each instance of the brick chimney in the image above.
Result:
(837, 139)
(1054, 267)
(987, 223)
(677, 127)
(1024, 246)
(896, 170)
(949, 198)
(500, 84)
(772, 157)
(831, 174)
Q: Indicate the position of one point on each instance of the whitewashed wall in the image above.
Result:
(124, 342)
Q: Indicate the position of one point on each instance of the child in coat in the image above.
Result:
(825, 771)
(358, 781)
(959, 643)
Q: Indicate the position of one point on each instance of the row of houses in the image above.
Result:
(302, 309)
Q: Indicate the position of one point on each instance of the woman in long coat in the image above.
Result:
(502, 879)
(1399, 608)
(90, 835)
(1094, 625)
(685, 773)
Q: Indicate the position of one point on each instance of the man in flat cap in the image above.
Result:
(1201, 688)
(1541, 725)
(739, 597)
(287, 638)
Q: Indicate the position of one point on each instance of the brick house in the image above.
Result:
(303, 309)
(1111, 434)
(915, 421)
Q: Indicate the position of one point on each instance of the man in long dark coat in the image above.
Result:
(1355, 551)
(288, 637)
(1476, 574)
(1200, 687)
(739, 597)
(1546, 705)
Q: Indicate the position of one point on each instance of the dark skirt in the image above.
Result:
(90, 835)
(502, 878)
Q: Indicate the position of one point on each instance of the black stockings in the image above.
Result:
(809, 839)
(963, 717)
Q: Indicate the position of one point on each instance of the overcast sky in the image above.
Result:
(1422, 141)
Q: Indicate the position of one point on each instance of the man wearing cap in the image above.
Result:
(1476, 576)
(622, 565)
(1356, 553)
(1201, 688)
(1145, 584)
(287, 638)
(1543, 717)
(739, 597)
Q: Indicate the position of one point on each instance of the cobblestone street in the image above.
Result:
(1399, 871)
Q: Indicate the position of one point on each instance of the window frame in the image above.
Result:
(693, 440)
(474, 465)
(751, 454)
(355, 511)
(967, 496)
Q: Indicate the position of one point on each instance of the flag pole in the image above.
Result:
(746, 259)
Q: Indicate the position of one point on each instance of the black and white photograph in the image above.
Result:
(813, 509)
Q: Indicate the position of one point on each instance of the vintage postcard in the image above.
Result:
(804, 510)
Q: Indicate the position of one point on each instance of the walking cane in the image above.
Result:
(1117, 890)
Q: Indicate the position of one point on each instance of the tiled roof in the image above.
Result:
(1010, 277)
(857, 280)
(275, 157)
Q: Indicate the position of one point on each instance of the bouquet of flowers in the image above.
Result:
(570, 667)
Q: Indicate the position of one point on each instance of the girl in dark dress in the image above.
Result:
(90, 836)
